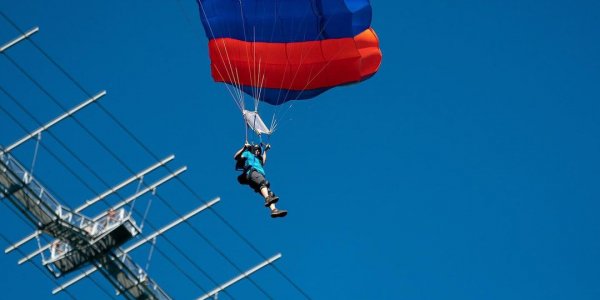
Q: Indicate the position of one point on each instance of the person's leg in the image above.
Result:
(262, 185)
(264, 191)
(255, 180)
(258, 180)
(270, 200)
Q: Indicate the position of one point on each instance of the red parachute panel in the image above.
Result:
(296, 65)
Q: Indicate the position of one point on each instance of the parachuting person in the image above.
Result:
(250, 159)
(282, 51)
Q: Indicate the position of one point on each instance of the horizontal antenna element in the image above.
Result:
(17, 40)
(54, 122)
(241, 276)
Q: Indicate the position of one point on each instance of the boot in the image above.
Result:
(271, 199)
(278, 213)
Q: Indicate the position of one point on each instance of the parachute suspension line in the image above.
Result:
(213, 35)
(246, 126)
(257, 77)
(258, 89)
(320, 71)
(301, 61)
(230, 70)
(239, 97)
(261, 82)
(311, 80)
(273, 125)
(242, 16)
(277, 109)
(234, 97)
(268, 139)
(302, 58)
(239, 90)
(255, 72)
(235, 94)
(229, 89)
(229, 75)
(234, 77)
(287, 64)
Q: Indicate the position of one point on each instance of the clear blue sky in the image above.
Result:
(467, 168)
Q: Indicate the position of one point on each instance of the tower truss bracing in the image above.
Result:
(82, 244)
(79, 239)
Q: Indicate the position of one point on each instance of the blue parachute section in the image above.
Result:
(284, 21)
(279, 96)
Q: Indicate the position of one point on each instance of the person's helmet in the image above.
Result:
(254, 148)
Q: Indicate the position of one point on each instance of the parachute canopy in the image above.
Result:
(281, 50)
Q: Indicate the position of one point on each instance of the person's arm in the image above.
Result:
(264, 154)
(239, 152)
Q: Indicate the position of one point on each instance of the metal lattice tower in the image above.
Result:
(88, 244)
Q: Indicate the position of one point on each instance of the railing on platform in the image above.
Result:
(18, 175)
